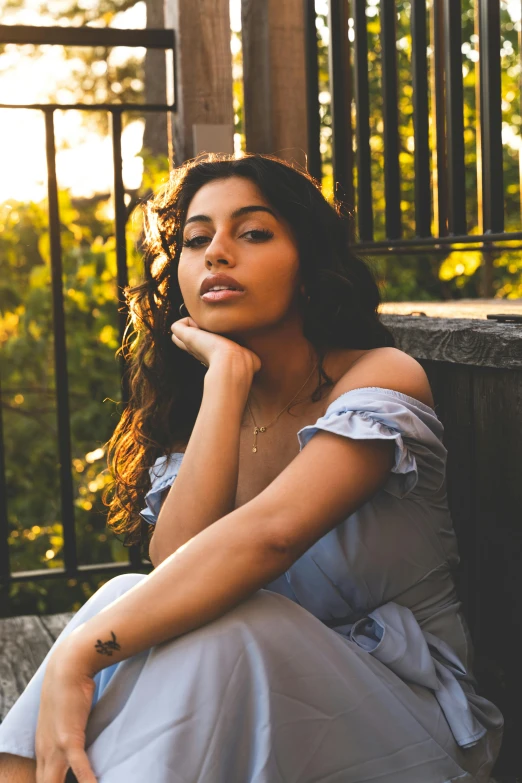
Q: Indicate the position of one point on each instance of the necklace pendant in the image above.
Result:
(262, 429)
(254, 449)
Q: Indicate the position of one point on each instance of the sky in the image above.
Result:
(23, 169)
(22, 143)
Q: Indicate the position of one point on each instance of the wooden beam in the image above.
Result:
(155, 136)
(475, 342)
(204, 75)
(275, 78)
(25, 643)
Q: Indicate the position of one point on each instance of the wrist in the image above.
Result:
(77, 651)
(230, 371)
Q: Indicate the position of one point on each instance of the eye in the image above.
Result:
(256, 235)
(259, 235)
(193, 241)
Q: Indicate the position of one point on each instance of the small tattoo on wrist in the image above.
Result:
(106, 648)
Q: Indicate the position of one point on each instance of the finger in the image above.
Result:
(179, 342)
(81, 767)
(188, 321)
(182, 322)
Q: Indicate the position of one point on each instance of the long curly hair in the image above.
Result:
(165, 383)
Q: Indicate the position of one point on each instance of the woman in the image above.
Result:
(301, 623)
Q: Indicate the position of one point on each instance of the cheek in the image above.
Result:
(279, 271)
(187, 275)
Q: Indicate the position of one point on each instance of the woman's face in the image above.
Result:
(231, 229)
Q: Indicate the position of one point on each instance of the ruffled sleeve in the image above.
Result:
(162, 475)
(376, 413)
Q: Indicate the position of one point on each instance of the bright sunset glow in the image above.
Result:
(84, 158)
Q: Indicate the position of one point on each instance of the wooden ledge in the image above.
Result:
(26, 641)
(458, 331)
(456, 308)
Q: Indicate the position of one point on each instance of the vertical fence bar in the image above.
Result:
(478, 110)
(5, 570)
(120, 217)
(491, 116)
(420, 119)
(439, 110)
(362, 127)
(392, 188)
(60, 354)
(341, 105)
(312, 90)
(520, 110)
(171, 78)
(455, 117)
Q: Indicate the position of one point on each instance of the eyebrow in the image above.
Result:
(237, 213)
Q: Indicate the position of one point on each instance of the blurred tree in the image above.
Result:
(28, 386)
(433, 276)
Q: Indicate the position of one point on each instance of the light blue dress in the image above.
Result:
(353, 666)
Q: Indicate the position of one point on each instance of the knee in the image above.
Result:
(17, 769)
(259, 611)
(119, 585)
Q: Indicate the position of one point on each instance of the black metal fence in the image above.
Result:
(437, 23)
(84, 36)
(435, 29)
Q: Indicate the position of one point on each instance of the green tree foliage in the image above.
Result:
(430, 276)
(29, 389)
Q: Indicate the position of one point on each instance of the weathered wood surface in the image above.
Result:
(274, 81)
(456, 308)
(24, 643)
(203, 72)
(471, 341)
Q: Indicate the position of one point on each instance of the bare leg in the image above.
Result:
(17, 769)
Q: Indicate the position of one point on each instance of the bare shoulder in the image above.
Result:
(388, 368)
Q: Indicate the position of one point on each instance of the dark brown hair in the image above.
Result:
(165, 383)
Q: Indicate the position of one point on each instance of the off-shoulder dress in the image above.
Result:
(353, 666)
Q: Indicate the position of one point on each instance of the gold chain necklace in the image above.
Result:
(263, 429)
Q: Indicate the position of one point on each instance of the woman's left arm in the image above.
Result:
(206, 577)
(214, 571)
(240, 553)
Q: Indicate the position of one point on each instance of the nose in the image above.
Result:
(218, 251)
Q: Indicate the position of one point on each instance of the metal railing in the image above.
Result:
(78, 36)
(348, 75)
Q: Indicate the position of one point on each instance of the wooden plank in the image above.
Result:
(497, 404)
(474, 342)
(451, 387)
(55, 623)
(25, 641)
(456, 308)
(203, 70)
(274, 72)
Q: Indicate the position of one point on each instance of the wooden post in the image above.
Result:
(204, 121)
(155, 137)
(275, 78)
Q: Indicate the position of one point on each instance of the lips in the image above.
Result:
(220, 279)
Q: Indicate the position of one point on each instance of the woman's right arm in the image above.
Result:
(206, 484)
